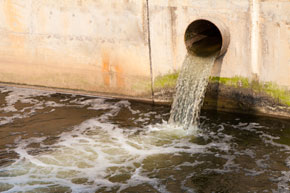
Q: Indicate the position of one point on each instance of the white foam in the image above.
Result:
(24, 96)
(94, 147)
(98, 150)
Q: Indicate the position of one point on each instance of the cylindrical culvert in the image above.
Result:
(206, 37)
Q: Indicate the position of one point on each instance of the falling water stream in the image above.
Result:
(52, 142)
(190, 91)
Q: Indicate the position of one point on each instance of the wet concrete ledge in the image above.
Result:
(119, 48)
(244, 100)
(219, 96)
(146, 98)
(238, 95)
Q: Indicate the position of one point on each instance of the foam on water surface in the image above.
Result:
(25, 96)
(127, 147)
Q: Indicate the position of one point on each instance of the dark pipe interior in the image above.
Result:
(203, 38)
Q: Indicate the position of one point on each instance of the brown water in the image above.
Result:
(66, 143)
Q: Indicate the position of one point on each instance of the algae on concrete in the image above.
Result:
(169, 81)
(235, 81)
(275, 91)
(270, 88)
(166, 82)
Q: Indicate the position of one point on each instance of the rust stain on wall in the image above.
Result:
(113, 70)
(119, 76)
(106, 68)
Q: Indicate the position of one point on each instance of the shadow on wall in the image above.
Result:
(213, 90)
(236, 94)
(205, 38)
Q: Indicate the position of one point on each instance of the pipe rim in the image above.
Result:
(223, 29)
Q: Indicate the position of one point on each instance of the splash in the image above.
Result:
(94, 156)
(127, 147)
(190, 90)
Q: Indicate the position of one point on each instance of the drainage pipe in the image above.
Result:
(205, 37)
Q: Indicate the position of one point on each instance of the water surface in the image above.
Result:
(53, 142)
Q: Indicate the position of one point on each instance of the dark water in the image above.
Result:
(65, 143)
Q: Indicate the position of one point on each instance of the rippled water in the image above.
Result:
(53, 142)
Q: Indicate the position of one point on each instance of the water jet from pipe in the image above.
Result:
(205, 41)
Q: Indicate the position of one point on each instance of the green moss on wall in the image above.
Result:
(282, 94)
(166, 81)
(270, 88)
(169, 81)
(235, 81)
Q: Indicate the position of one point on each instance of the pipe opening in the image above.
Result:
(203, 38)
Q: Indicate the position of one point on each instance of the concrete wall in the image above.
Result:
(260, 36)
(99, 46)
(107, 46)
(274, 41)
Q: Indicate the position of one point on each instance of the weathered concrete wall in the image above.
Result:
(274, 41)
(265, 57)
(99, 46)
(107, 46)
(253, 76)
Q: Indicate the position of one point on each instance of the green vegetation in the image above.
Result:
(235, 81)
(282, 94)
(166, 81)
(272, 89)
